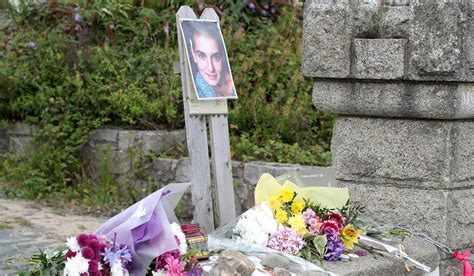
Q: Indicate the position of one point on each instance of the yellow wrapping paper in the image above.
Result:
(326, 197)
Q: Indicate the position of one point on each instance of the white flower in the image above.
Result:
(117, 269)
(255, 226)
(72, 244)
(158, 273)
(183, 245)
(76, 265)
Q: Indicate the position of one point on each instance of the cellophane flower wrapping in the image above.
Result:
(145, 227)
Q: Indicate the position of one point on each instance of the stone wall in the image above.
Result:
(401, 78)
(119, 151)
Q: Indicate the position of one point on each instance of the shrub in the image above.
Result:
(72, 68)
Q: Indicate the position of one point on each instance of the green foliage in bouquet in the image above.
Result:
(70, 69)
(45, 263)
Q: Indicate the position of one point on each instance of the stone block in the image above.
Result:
(459, 226)
(413, 153)
(275, 260)
(126, 139)
(438, 213)
(379, 58)
(21, 129)
(437, 36)
(396, 22)
(462, 168)
(183, 170)
(233, 260)
(375, 265)
(4, 140)
(160, 141)
(327, 34)
(451, 266)
(19, 144)
(396, 3)
(105, 136)
(365, 18)
(470, 43)
(164, 170)
(409, 100)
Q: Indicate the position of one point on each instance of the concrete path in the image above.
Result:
(26, 227)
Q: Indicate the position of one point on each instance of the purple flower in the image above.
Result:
(334, 245)
(77, 18)
(9, 48)
(32, 45)
(252, 6)
(308, 214)
(200, 5)
(77, 28)
(112, 26)
(117, 253)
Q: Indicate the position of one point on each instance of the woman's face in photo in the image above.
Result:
(208, 58)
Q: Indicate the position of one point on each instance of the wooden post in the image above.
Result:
(220, 152)
(196, 137)
(196, 134)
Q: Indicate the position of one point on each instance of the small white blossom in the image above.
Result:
(117, 269)
(183, 245)
(72, 244)
(76, 265)
(255, 226)
(159, 273)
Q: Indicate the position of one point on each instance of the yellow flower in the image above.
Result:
(281, 216)
(350, 236)
(287, 195)
(274, 202)
(297, 207)
(298, 224)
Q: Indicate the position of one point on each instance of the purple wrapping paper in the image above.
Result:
(145, 227)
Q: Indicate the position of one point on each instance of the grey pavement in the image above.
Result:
(27, 227)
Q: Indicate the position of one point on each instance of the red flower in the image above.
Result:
(69, 254)
(83, 240)
(329, 224)
(337, 218)
(88, 253)
(93, 266)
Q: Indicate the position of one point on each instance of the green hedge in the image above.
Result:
(113, 66)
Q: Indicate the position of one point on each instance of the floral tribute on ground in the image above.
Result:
(299, 227)
(142, 240)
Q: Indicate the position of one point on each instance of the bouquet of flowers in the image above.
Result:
(140, 240)
(310, 231)
(95, 255)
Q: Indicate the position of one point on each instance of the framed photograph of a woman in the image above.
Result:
(207, 58)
